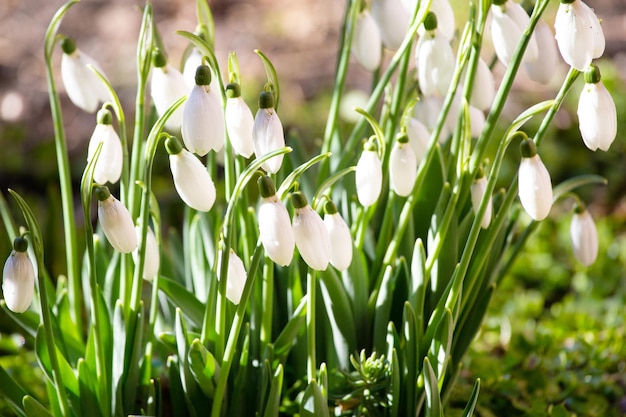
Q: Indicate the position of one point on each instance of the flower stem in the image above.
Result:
(311, 365)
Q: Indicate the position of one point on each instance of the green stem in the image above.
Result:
(267, 310)
(311, 364)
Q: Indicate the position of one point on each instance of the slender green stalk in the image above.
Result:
(267, 300)
(311, 364)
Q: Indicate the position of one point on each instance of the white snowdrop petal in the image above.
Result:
(402, 169)
(268, 136)
(192, 181)
(597, 116)
(369, 178)
(82, 85)
(392, 20)
(153, 257)
(505, 35)
(484, 86)
(203, 127)
(109, 165)
(445, 17)
(311, 238)
(435, 64)
(477, 192)
(239, 124)
(166, 87)
(477, 121)
(578, 34)
(535, 187)
(193, 61)
(275, 231)
(543, 68)
(237, 277)
(18, 281)
(367, 44)
(117, 225)
(340, 241)
(584, 238)
(418, 138)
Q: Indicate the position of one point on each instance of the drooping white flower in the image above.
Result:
(484, 86)
(111, 158)
(203, 127)
(191, 179)
(597, 114)
(584, 236)
(166, 87)
(542, 70)
(153, 257)
(477, 121)
(535, 186)
(340, 237)
(267, 132)
(367, 43)
(239, 122)
(578, 34)
(82, 85)
(402, 167)
(434, 60)
(418, 138)
(310, 234)
(427, 111)
(477, 192)
(18, 278)
(275, 229)
(369, 176)
(193, 61)
(116, 221)
(392, 20)
(445, 17)
(237, 277)
(508, 23)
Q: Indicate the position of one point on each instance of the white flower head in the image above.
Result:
(116, 221)
(402, 166)
(478, 189)
(267, 132)
(310, 234)
(392, 20)
(445, 17)
(82, 85)
(509, 20)
(236, 279)
(584, 236)
(275, 229)
(193, 61)
(369, 176)
(111, 158)
(542, 70)
(419, 137)
(239, 121)
(434, 60)
(18, 278)
(340, 237)
(166, 87)
(191, 179)
(535, 186)
(597, 114)
(203, 127)
(578, 34)
(153, 257)
(484, 88)
(367, 43)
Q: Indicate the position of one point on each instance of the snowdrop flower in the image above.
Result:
(392, 20)
(445, 17)
(275, 229)
(427, 111)
(18, 277)
(369, 175)
(477, 192)
(191, 179)
(597, 115)
(166, 87)
(193, 61)
(236, 279)
(340, 237)
(402, 166)
(116, 221)
(578, 34)
(267, 132)
(418, 138)
(535, 186)
(367, 44)
(111, 158)
(543, 68)
(484, 88)
(508, 23)
(434, 60)
(203, 116)
(153, 257)
(82, 85)
(239, 121)
(584, 236)
(310, 233)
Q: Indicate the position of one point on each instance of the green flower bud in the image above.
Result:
(68, 45)
(173, 145)
(430, 22)
(102, 192)
(203, 75)
(233, 90)
(592, 75)
(266, 187)
(299, 200)
(20, 244)
(104, 117)
(158, 58)
(528, 148)
(266, 100)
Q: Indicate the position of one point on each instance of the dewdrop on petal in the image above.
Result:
(239, 121)
(578, 34)
(584, 236)
(267, 133)
(153, 257)
(310, 233)
(542, 70)
(275, 229)
(477, 192)
(116, 221)
(166, 87)
(340, 237)
(434, 60)
(508, 23)
(402, 166)
(191, 178)
(366, 43)
(369, 175)
(82, 85)
(203, 127)
(18, 277)
(392, 20)
(236, 279)
(534, 184)
(597, 115)
(111, 158)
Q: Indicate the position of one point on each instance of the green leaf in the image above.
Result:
(440, 348)
(434, 408)
(417, 285)
(395, 387)
(287, 337)
(273, 403)
(33, 226)
(272, 76)
(181, 297)
(11, 391)
(87, 389)
(204, 367)
(382, 309)
(33, 408)
(572, 183)
(313, 403)
(471, 403)
(28, 320)
(205, 20)
(179, 400)
(409, 349)
(65, 331)
(67, 373)
(119, 353)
